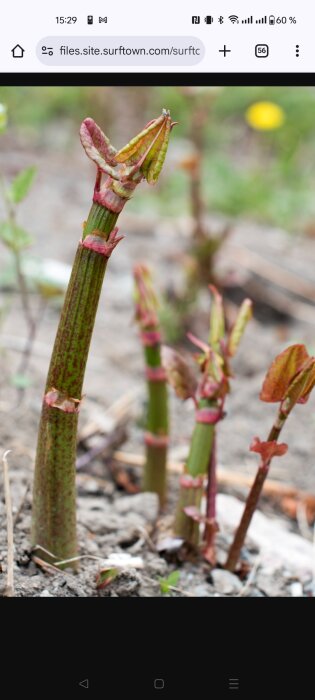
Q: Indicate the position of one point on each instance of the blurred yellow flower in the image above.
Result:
(265, 116)
(3, 117)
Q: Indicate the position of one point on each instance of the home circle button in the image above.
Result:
(159, 683)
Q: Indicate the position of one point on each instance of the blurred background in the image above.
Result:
(265, 173)
(234, 205)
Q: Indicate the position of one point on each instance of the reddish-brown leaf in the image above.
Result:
(282, 372)
(268, 450)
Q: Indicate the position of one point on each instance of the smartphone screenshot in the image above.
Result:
(157, 349)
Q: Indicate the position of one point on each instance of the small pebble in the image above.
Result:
(144, 504)
(202, 591)
(296, 589)
(225, 582)
(46, 594)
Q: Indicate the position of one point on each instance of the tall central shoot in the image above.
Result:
(118, 174)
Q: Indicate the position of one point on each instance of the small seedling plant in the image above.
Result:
(208, 391)
(157, 421)
(17, 240)
(289, 381)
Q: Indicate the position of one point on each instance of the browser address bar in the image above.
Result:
(120, 50)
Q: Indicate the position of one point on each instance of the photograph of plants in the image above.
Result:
(157, 296)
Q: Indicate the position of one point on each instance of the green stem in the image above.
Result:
(197, 466)
(190, 495)
(54, 519)
(200, 449)
(157, 426)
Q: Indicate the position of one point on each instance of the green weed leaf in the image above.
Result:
(167, 583)
(14, 237)
(21, 381)
(106, 576)
(3, 118)
(21, 185)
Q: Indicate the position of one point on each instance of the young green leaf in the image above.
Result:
(217, 323)
(244, 315)
(22, 184)
(167, 583)
(146, 152)
(302, 384)
(14, 237)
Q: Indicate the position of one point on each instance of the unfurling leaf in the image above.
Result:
(282, 371)
(268, 450)
(302, 385)
(179, 373)
(14, 237)
(244, 315)
(217, 323)
(96, 145)
(21, 185)
(146, 152)
(167, 583)
(146, 301)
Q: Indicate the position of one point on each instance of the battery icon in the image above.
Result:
(272, 19)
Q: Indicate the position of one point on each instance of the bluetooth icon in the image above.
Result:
(221, 19)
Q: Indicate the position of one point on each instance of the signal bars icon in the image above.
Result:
(249, 20)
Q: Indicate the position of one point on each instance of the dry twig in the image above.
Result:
(9, 590)
(287, 497)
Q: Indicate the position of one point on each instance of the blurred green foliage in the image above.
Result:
(268, 176)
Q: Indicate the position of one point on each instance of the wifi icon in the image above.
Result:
(233, 19)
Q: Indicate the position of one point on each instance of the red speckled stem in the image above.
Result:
(54, 506)
(252, 500)
(211, 526)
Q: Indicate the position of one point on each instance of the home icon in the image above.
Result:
(18, 51)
